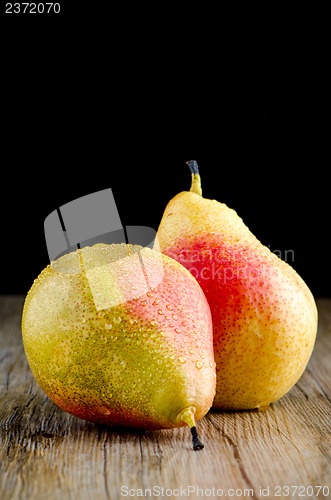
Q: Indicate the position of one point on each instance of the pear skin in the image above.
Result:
(145, 362)
(264, 315)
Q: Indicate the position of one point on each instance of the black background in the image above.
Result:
(82, 112)
(275, 204)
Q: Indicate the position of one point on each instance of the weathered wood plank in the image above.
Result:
(48, 454)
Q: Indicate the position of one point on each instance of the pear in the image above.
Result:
(264, 315)
(114, 334)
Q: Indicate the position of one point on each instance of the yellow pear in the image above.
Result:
(264, 315)
(114, 334)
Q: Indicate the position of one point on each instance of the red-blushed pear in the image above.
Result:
(114, 334)
(264, 315)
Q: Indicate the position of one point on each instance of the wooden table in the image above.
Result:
(48, 454)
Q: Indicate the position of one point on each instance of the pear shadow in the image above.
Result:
(220, 411)
(37, 416)
(37, 420)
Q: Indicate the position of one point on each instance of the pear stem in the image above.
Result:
(194, 167)
(197, 445)
(187, 416)
(196, 180)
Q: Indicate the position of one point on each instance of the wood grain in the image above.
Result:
(48, 454)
